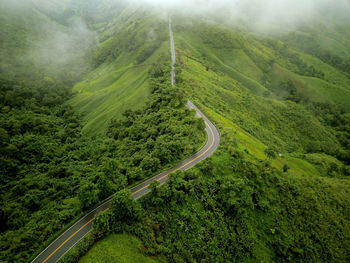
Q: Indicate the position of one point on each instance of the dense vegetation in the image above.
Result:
(50, 172)
(233, 208)
(142, 143)
(249, 203)
(41, 163)
(277, 190)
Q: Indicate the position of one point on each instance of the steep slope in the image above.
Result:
(253, 83)
(130, 45)
(248, 203)
(277, 189)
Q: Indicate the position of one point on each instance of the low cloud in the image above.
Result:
(63, 45)
(289, 12)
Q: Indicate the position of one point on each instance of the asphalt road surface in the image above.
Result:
(76, 232)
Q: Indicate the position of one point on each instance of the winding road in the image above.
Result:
(83, 226)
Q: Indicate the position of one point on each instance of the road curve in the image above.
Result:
(77, 231)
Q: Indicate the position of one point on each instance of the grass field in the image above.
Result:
(121, 248)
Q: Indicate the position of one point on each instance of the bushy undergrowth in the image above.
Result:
(234, 210)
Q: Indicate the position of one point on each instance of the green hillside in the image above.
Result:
(248, 203)
(21, 29)
(255, 83)
(51, 173)
(130, 45)
(87, 110)
(276, 190)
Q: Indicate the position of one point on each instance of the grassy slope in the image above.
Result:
(234, 100)
(245, 61)
(275, 216)
(122, 83)
(233, 62)
(245, 141)
(111, 89)
(223, 114)
(226, 83)
(334, 38)
(317, 90)
(122, 248)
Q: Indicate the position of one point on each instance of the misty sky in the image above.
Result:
(266, 11)
(64, 46)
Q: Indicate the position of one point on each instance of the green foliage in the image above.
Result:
(234, 207)
(247, 211)
(329, 54)
(124, 208)
(289, 118)
(81, 248)
(237, 206)
(270, 153)
(294, 60)
(130, 45)
(285, 168)
(288, 87)
(158, 135)
(106, 187)
(41, 163)
(50, 171)
(87, 195)
(101, 223)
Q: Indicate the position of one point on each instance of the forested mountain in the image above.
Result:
(51, 172)
(278, 188)
(87, 109)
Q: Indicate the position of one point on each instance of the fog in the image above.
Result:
(288, 12)
(45, 34)
(63, 46)
(258, 11)
(67, 39)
